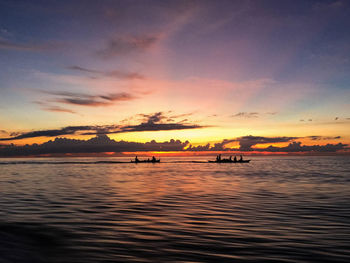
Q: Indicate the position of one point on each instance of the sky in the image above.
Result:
(195, 76)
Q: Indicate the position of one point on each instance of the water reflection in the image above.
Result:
(273, 209)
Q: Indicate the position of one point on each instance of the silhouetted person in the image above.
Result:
(240, 158)
(136, 159)
(230, 159)
(153, 159)
(219, 157)
(235, 159)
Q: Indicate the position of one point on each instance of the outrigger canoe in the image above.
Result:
(146, 161)
(229, 161)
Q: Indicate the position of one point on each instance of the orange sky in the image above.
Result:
(210, 70)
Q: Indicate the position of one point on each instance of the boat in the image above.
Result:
(153, 160)
(229, 160)
(146, 161)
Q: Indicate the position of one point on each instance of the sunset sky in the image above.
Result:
(240, 74)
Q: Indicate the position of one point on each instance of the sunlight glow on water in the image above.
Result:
(288, 209)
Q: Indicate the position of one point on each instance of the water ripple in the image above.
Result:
(287, 209)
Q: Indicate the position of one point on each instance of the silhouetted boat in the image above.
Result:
(146, 161)
(229, 161)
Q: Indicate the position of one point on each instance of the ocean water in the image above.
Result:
(274, 209)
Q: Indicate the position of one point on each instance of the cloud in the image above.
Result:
(154, 122)
(100, 143)
(153, 118)
(250, 115)
(149, 126)
(48, 133)
(119, 74)
(57, 109)
(246, 142)
(126, 45)
(246, 115)
(317, 138)
(151, 122)
(328, 6)
(47, 107)
(5, 44)
(297, 147)
(83, 99)
(302, 120)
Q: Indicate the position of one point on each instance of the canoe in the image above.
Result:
(147, 161)
(228, 161)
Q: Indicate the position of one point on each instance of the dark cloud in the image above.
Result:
(297, 147)
(151, 122)
(153, 118)
(129, 44)
(83, 99)
(48, 133)
(155, 122)
(246, 142)
(101, 143)
(246, 115)
(119, 74)
(317, 138)
(199, 148)
(150, 126)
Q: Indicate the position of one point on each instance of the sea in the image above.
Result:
(273, 209)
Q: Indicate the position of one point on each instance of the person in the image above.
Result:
(219, 157)
(153, 159)
(136, 160)
(235, 159)
(241, 158)
(230, 158)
